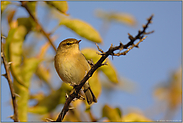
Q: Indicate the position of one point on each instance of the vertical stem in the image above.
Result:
(8, 77)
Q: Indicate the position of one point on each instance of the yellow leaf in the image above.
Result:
(82, 28)
(50, 102)
(61, 6)
(4, 5)
(110, 72)
(43, 73)
(111, 113)
(108, 69)
(124, 18)
(135, 117)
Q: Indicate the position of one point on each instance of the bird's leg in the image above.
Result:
(79, 96)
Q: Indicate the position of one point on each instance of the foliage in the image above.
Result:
(36, 68)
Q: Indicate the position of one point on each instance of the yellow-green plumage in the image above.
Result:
(72, 66)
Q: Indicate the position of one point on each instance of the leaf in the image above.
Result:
(7, 43)
(119, 111)
(21, 69)
(170, 92)
(110, 72)
(4, 5)
(47, 104)
(50, 102)
(27, 22)
(134, 117)
(15, 51)
(111, 113)
(29, 67)
(124, 18)
(95, 84)
(108, 69)
(27, 71)
(11, 15)
(44, 74)
(61, 6)
(82, 28)
(32, 7)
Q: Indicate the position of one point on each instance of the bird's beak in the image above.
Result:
(78, 41)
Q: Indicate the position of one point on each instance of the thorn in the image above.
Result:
(5, 75)
(1, 54)
(130, 37)
(111, 46)
(10, 63)
(71, 108)
(91, 62)
(121, 46)
(66, 96)
(143, 26)
(3, 37)
(99, 48)
(100, 53)
(49, 120)
(105, 63)
(139, 31)
(16, 95)
(112, 56)
(11, 116)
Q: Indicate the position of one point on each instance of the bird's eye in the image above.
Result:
(68, 43)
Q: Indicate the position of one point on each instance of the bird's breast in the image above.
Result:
(71, 69)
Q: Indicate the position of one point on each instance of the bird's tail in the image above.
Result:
(89, 94)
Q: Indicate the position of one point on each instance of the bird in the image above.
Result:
(71, 65)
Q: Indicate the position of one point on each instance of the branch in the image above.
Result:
(130, 45)
(24, 4)
(8, 77)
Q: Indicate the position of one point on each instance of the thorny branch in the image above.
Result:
(24, 4)
(110, 51)
(8, 77)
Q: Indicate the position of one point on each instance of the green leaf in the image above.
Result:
(44, 74)
(119, 111)
(82, 28)
(7, 43)
(4, 5)
(50, 102)
(27, 22)
(29, 67)
(15, 51)
(61, 6)
(108, 69)
(32, 7)
(22, 69)
(111, 113)
(27, 71)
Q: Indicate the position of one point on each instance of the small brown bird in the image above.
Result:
(72, 66)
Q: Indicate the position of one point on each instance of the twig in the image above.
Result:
(110, 51)
(7, 76)
(24, 4)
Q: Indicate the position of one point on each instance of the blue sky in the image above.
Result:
(146, 67)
